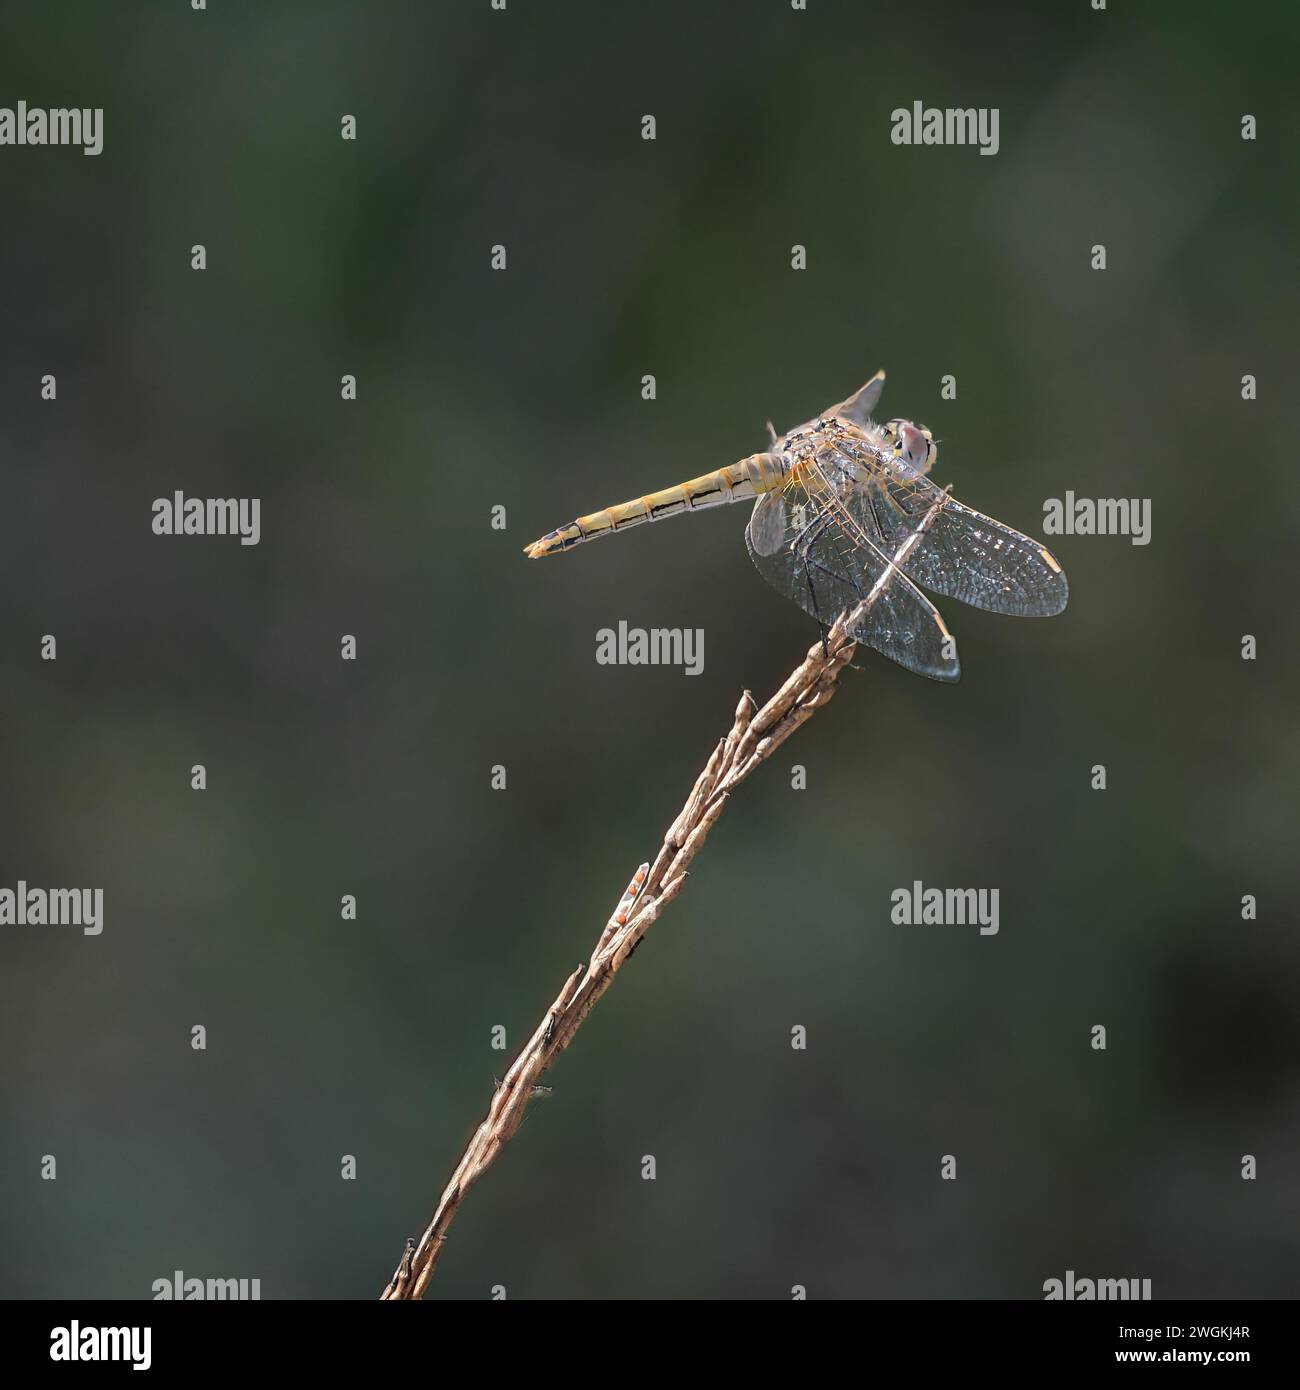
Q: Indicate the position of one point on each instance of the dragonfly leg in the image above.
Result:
(816, 611)
(801, 547)
(843, 579)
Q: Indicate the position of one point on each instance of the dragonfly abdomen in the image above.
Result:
(747, 479)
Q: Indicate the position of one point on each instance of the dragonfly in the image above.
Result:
(846, 520)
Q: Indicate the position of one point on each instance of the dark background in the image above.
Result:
(522, 389)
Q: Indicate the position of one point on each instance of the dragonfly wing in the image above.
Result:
(765, 534)
(828, 566)
(963, 554)
(861, 405)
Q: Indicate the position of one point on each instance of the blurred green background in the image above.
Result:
(522, 389)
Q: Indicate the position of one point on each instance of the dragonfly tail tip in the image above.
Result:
(549, 544)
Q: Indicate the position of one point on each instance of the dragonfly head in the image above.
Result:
(911, 442)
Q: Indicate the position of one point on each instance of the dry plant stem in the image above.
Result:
(754, 736)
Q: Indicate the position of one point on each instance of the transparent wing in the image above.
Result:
(765, 533)
(806, 544)
(861, 405)
(963, 554)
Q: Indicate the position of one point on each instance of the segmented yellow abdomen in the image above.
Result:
(749, 478)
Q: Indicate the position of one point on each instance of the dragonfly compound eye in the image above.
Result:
(915, 442)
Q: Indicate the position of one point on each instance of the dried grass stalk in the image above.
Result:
(755, 735)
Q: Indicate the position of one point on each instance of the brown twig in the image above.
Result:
(755, 735)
